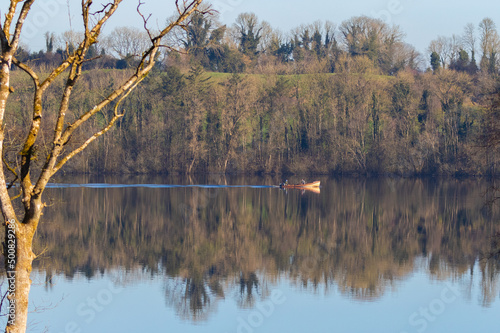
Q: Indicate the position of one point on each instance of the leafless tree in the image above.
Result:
(127, 42)
(447, 48)
(20, 227)
(469, 39)
(70, 39)
(489, 38)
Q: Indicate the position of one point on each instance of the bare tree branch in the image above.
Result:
(11, 169)
(104, 7)
(28, 70)
(19, 25)
(4, 42)
(75, 60)
(145, 20)
(75, 73)
(110, 125)
(9, 17)
(143, 68)
(178, 7)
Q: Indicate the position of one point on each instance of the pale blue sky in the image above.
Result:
(422, 21)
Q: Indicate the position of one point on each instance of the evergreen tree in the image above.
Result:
(250, 34)
(49, 42)
(473, 65)
(484, 64)
(462, 63)
(197, 34)
(492, 65)
(435, 61)
(317, 43)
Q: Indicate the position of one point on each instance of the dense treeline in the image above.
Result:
(323, 99)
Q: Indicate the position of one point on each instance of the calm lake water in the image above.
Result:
(231, 255)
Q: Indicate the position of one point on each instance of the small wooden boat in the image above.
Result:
(310, 189)
(306, 185)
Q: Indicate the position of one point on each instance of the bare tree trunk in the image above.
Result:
(228, 153)
(18, 237)
(19, 241)
(191, 166)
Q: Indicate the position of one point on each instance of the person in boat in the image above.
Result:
(303, 181)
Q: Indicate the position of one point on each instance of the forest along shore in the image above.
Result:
(320, 101)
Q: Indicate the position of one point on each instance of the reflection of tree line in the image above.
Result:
(357, 235)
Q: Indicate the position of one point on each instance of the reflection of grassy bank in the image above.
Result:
(360, 235)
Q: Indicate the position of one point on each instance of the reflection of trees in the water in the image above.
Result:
(490, 270)
(495, 248)
(191, 297)
(249, 286)
(357, 236)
